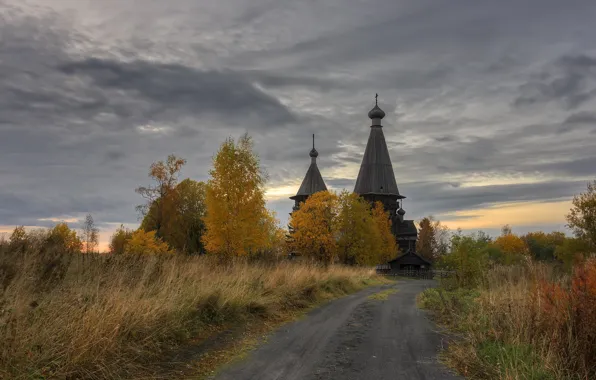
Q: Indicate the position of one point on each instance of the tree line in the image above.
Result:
(471, 255)
(227, 216)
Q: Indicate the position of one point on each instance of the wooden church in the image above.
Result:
(375, 182)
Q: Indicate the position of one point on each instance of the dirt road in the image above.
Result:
(354, 337)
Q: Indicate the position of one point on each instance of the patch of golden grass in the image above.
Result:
(97, 317)
(383, 295)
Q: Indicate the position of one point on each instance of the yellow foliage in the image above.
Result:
(328, 227)
(358, 238)
(145, 243)
(180, 216)
(237, 222)
(313, 227)
(119, 240)
(62, 237)
(165, 175)
(387, 245)
(276, 236)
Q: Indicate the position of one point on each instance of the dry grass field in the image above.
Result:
(530, 321)
(109, 316)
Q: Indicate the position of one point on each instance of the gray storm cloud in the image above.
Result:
(90, 96)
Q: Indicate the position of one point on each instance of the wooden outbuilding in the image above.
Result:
(409, 261)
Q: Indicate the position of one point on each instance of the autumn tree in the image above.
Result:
(18, 239)
(469, 258)
(64, 239)
(314, 229)
(426, 244)
(165, 175)
(542, 246)
(573, 251)
(145, 243)
(182, 213)
(510, 248)
(433, 239)
(358, 238)
(387, 245)
(119, 239)
(236, 219)
(582, 216)
(90, 234)
(275, 246)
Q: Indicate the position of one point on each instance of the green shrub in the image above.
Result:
(519, 361)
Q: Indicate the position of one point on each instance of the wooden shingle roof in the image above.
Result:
(376, 172)
(313, 181)
(410, 258)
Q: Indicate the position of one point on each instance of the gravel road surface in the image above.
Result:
(355, 337)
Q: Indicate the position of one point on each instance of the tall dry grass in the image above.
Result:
(530, 321)
(97, 316)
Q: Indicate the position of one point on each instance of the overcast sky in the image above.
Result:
(491, 105)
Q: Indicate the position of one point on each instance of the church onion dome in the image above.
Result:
(401, 211)
(376, 113)
(313, 153)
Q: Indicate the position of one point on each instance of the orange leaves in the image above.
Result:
(512, 247)
(553, 301)
(584, 280)
(569, 312)
(329, 228)
(583, 292)
(165, 173)
(427, 243)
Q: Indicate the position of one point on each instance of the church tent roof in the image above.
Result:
(376, 172)
(313, 181)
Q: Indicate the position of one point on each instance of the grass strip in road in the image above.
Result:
(383, 295)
